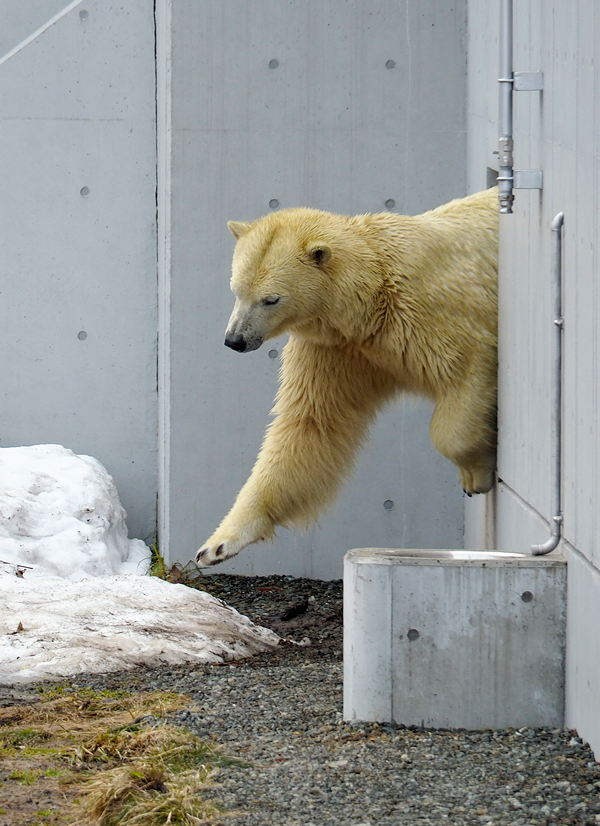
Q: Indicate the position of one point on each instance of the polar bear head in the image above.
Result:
(282, 275)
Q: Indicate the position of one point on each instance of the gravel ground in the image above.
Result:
(281, 713)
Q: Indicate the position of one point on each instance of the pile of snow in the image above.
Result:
(73, 597)
(114, 623)
(60, 514)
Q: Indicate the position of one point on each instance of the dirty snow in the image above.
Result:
(73, 595)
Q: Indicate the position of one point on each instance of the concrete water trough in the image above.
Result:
(454, 639)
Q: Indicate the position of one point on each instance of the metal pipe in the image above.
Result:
(557, 519)
(505, 120)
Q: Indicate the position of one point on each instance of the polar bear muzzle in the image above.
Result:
(238, 343)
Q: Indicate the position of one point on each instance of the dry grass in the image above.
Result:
(148, 795)
(77, 711)
(82, 757)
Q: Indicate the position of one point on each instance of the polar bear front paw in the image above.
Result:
(478, 480)
(214, 552)
(231, 537)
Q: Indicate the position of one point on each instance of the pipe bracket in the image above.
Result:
(528, 82)
(528, 179)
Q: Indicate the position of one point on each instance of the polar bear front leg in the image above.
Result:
(327, 399)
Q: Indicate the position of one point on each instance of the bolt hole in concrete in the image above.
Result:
(82, 335)
(273, 354)
(83, 14)
(273, 203)
(390, 64)
(526, 596)
(388, 504)
(390, 203)
(84, 191)
(274, 63)
(413, 634)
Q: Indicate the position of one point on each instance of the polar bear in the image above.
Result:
(375, 305)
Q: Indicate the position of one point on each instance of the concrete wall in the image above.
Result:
(77, 237)
(336, 105)
(558, 131)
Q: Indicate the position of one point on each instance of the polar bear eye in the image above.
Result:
(270, 300)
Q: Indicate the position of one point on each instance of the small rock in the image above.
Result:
(294, 610)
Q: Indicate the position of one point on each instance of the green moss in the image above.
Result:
(26, 742)
(25, 778)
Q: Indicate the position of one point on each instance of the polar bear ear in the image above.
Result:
(318, 254)
(238, 228)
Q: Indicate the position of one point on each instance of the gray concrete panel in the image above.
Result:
(78, 245)
(583, 648)
(332, 127)
(557, 131)
(21, 20)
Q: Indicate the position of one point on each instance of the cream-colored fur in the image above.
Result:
(374, 305)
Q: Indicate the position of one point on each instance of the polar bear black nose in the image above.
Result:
(236, 342)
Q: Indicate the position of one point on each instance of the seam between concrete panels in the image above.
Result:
(525, 504)
(162, 23)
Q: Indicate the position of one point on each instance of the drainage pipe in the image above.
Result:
(556, 435)
(506, 80)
